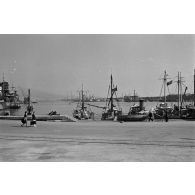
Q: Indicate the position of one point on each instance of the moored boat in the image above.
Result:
(163, 107)
(112, 109)
(189, 113)
(82, 112)
(136, 113)
(177, 111)
(190, 109)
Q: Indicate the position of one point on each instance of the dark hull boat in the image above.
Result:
(113, 112)
(179, 111)
(189, 113)
(136, 113)
(190, 109)
(170, 116)
(163, 109)
(132, 118)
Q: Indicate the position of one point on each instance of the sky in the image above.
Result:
(59, 64)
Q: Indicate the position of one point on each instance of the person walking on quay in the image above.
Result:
(166, 116)
(33, 121)
(150, 116)
(24, 119)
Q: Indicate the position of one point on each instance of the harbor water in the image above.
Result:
(64, 107)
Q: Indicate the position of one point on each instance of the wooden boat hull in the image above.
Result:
(132, 118)
(156, 116)
(188, 118)
(107, 119)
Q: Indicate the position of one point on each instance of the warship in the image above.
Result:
(9, 99)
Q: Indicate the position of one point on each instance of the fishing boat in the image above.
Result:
(82, 111)
(136, 113)
(189, 113)
(112, 109)
(177, 111)
(163, 107)
(180, 110)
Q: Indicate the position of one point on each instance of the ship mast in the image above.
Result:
(111, 98)
(178, 88)
(29, 103)
(181, 98)
(29, 97)
(165, 84)
(194, 87)
(134, 96)
(3, 90)
(82, 99)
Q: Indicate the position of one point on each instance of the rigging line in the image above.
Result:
(107, 103)
(117, 101)
(161, 90)
(175, 89)
(112, 94)
(184, 85)
(78, 103)
(108, 92)
(168, 90)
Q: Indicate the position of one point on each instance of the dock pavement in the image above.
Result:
(98, 141)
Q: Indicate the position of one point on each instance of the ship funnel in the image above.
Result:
(141, 104)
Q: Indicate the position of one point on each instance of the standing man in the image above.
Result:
(150, 117)
(166, 116)
(25, 119)
(33, 121)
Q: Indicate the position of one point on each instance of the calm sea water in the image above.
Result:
(63, 107)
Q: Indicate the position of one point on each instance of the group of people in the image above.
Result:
(33, 120)
(151, 116)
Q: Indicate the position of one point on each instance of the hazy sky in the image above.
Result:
(59, 64)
